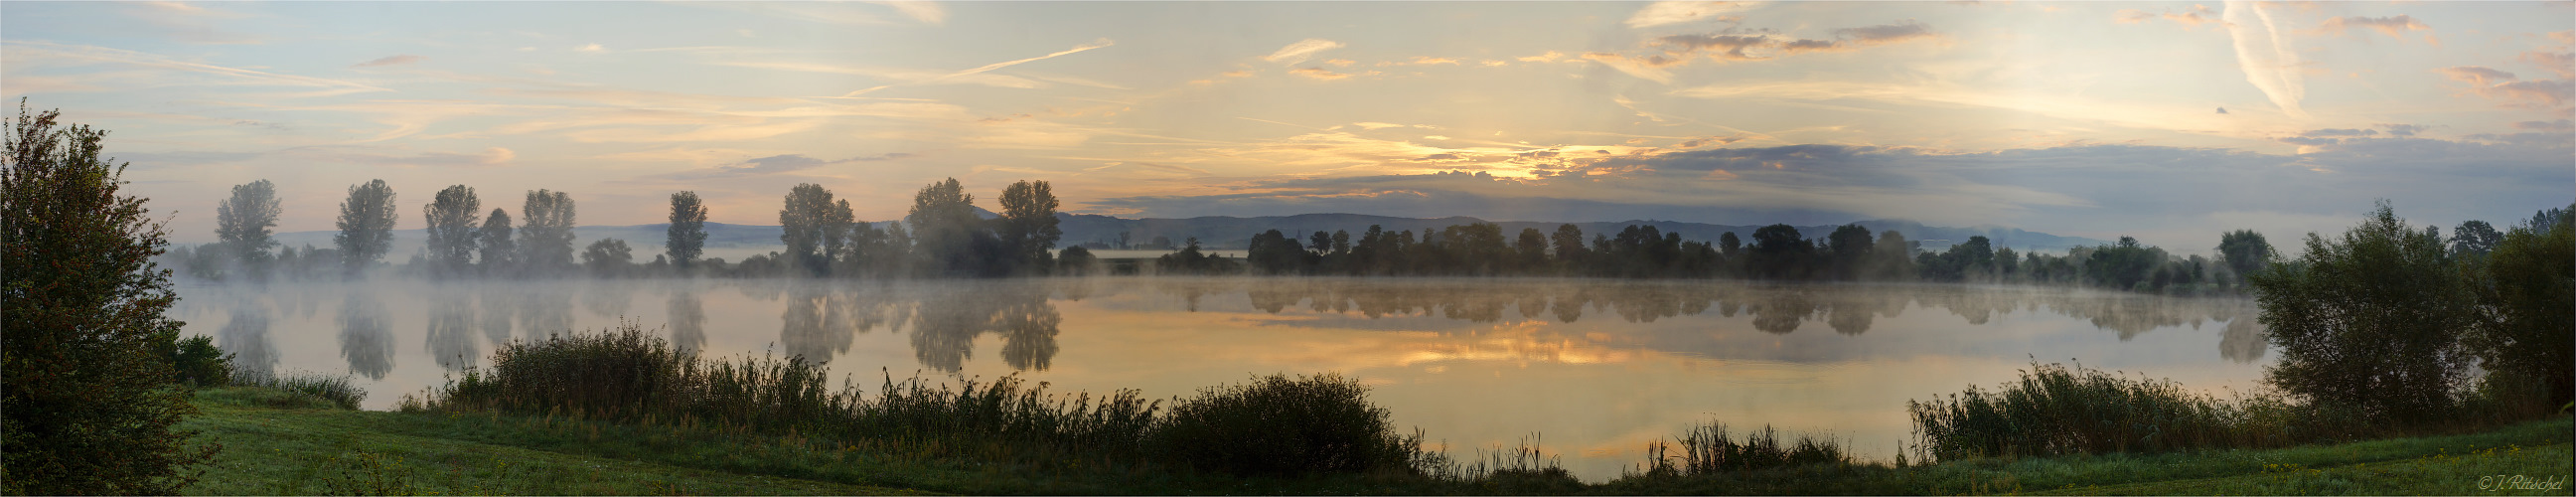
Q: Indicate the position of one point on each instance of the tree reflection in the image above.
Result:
(451, 339)
(545, 313)
(498, 308)
(607, 299)
(813, 328)
(688, 321)
(366, 336)
(246, 338)
(1778, 309)
(947, 321)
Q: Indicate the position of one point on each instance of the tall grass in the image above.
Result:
(2055, 409)
(334, 389)
(1710, 449)
(1271, 426)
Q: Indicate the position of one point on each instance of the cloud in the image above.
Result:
(591, 48)
(2563, 63)
(1663, 13)
(1736, 47)
(776, 164)
(393, 60)
(1882, 34)
(2477, 75)
(926, 12)
(1324, 74)
(190, 23)
(2500, 85)
(1550, 56)
(493, 156)
(1301, 50)
(2194, 17)
(2561, 125)
(2402, 130)
(975, 73)
(2263, 52)
(31, 51)
(2340, 132)
(2394, 27)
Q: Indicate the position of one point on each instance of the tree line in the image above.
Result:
(823, 239)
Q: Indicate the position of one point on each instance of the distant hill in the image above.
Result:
(735, 241)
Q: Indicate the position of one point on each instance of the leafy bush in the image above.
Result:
(1276, 425)
(88, 403)
(199, 363)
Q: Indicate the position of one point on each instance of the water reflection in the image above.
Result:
(607, 299)
(451, 323)
(946, 323)
(366, 335)
(688, 321)
(2242, 341)
(499, 307)
(815, 325)
(245, 336)
(545, 311)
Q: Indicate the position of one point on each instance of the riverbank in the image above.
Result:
(277, 443)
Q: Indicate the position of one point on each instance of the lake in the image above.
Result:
(1595, 368)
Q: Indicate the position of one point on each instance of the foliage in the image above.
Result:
(88, 404)
(242, 224)
(1027, 227)
(1076, 261)
(366, 226)
(2245, 251)
(608, 258)
(198, 363)
(2526, 286)
(545, 232)
(945, 230)
(452, 230)
(2369, 321)
(500, 256)
(1277, 425)
(2474, 239)
(688, 231)
(813, 227)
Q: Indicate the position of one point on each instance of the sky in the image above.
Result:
(2171, 122)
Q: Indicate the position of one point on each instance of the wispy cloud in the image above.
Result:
(392, 60)
(2394, 27)
(2500, 85)
(924, 11)
(2263, 52)
(1301, 50)
(1663, 13)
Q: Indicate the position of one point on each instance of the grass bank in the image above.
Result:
(281, 443)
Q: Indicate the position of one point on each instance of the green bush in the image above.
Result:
(88, 402)
(1277, 425)
(199, 363)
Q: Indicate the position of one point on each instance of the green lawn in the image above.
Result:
(275, 443)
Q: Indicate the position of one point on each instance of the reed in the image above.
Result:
(1272, 426)
(1711, 449)
(333, 389)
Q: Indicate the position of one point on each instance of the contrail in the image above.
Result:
(1103, 42)
(2267, 59)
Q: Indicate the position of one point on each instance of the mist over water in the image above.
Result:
(1599, 367)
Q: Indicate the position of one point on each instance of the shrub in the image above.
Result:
(199, 363)
(1277, 425)
(2370, 322)
(88, 403)
(2056, 410)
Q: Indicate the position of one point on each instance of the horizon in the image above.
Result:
(2171, 122)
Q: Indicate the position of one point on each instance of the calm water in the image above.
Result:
(1598, 368)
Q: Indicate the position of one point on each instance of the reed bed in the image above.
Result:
(627, 375)
(333, 389)
(2055, 409)
(1711, 449)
